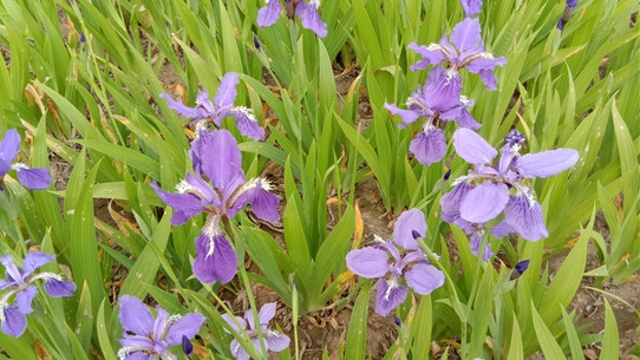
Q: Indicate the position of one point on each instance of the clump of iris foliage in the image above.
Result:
(498, 130)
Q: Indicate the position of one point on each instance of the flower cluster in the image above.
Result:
(146, 337)
(397, 258)
(306, 10)
(273, 340)
(501, 188)
(441, 96)
(33, 179)
(20, 281)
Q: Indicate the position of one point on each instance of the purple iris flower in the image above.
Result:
(471, 7)
(306, 10)
(216, 157)
(464, 49)
(568, 10)
(146, 337)
(206, 112)
(273, 340)
(20, 282)
(33, 179)
(397, 258)
(430, 146)
(491, 189)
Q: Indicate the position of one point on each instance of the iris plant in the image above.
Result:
(306, 10)
(273, 340)
(491, 189)
(20, 281)
(220, 190)
(33, 179)
(146, 337)
(392, 260)
(206, 112)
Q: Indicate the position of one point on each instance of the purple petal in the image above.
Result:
(408, 116)
(466, 35)
(9, 149)
(501, 230)
(185, 205)
(310, 18)
(138, 355)
(235, 327)
(188, 326)
(135, 316)
(227, 93)
(462, 116)
(471, 7)
(429, 56)
(277, 342)
(34, 260)
(267, 312)
(237, 351)
(429, 147)
(12, 272)
(265, 204)
(387, 298)
(15, 322)
(4, 284)
(216, 260)
(484, 67)
(409, 224)
(444, 89)
(473, 148)
(247, 123)
(546, 163)
(474, 245)
(182, 109)
(269, 14)
(484, 202)
(423, 278)
(59, 288)
(368, 262)
(451, 201)
(161, 321)
(34, 179)
(226, 165)
(25, 298)
(524, 219)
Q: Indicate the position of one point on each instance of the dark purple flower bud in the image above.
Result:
(514, 137)
(187, 346)
(447, 175)
(522, 266)
(415, 234)
(256, 43)
(82, 38)
(397, 320)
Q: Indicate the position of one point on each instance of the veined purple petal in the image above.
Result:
(267, 312)
(59, 288)
(185, 205)
(408, 116)
(237, 351)
(525, 220)
(501, 230)
(484, 67)
(444, 89)
(34, 260)
(188, 326)
(429, 147)
(25, 298)
(310, 18)
(474, 244)
(160, 324)
(216, 260)
(368, 262)
(484, 202)
(451, 201)
(227, 93)
(461, 115)
(15, 322)
(546, 163)
(138, 355)
(233, 325)
(409, 222)
(220, 158)
(135, 316)
(389, 298)
(269, 14)
(265, 204)
(247, 123)
(423, 278)
(9, 149)
(473, 148)
(34, 179)
(277, 342)
(471, 7)
(429, 56)
(466, 36)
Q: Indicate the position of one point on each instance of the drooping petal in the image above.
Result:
(34, 260)
(247, 123)
(220, 158)
(546, 163)
(484, 202)
(15, 322)
(484, 67)
(269, 14)
(277, 342)
(267, 312)
(227, 93)
(233, 325)
(471, 7)
(265, 204)
(34, 179)
(185, 205)
(11, 270)
(429, 56)
(423, 278)
(429, 147)
(310, 18)
(462, 116)
(135, 316)
(216, 260)
(473, 148)
(444, 89)
(59, 288)
(524, 219)
(474, 245)
(237, 350)
(188, 326)
(389, 297)
(501, 230)
(409, 224)
(182, 109)
(368, 262)
(408, 116)
(451, 201)
(9, 149)
(25, 298)
(466, 35)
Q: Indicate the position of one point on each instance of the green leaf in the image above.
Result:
(357, 331)
(611, 339)
(515, 346)
(572, 336)
(103, 336)
(547, 341)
